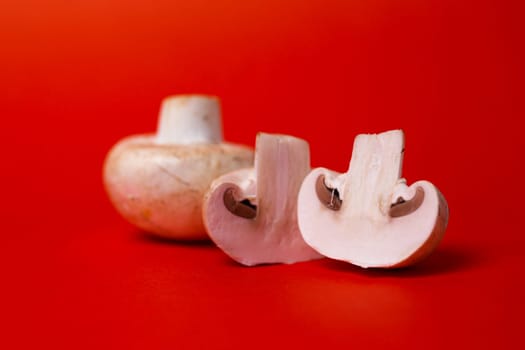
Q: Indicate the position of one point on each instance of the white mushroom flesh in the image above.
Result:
(380, 222)
(270, 233)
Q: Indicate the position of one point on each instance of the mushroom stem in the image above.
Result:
(374, 170)
(189, 119)
(281, 163)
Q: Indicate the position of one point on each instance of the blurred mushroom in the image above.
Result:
(157, 182)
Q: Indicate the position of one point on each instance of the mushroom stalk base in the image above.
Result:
(189, 119)
(375, 169)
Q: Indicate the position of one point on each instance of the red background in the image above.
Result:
(76, 76)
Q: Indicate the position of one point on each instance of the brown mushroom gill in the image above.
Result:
(328, 196)
(331, 199)
(404, 207)
(243, 208)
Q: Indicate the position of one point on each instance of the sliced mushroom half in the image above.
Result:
(369, 216)
(251, 214)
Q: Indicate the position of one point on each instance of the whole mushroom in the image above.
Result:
(369, 216)
(157, 181)
(251, 214)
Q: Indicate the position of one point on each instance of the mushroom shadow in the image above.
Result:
(148, 238)
(446, 259)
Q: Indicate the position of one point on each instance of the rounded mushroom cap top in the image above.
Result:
(148, 143)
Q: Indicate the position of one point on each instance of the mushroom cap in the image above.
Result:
(370, 228)
(271, 234)
(160, 187)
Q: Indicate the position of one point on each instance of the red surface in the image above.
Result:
(77, 76)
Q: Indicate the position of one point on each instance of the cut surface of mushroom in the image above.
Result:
(157, 182)
(251, 214)
(369, 216)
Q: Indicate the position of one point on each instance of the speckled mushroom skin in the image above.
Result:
(160, 188)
